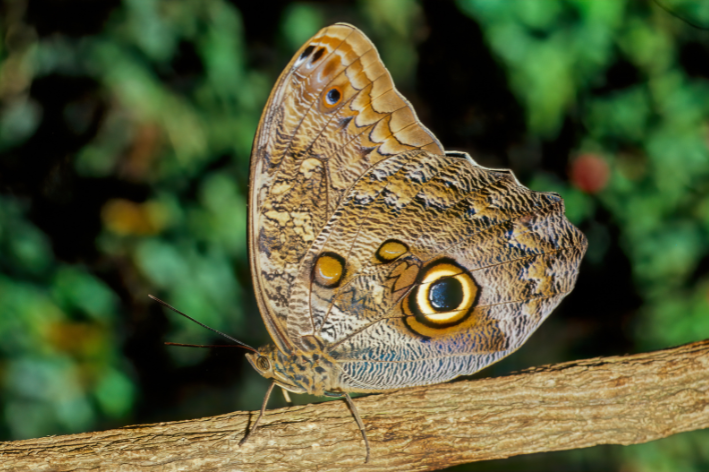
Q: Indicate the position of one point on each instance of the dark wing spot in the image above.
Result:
(344, 122)
(308, 51)
(446, 294)
(318, 54)
(333, 96)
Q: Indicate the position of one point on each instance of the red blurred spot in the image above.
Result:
(590, 173)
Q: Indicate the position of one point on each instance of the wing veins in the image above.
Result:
(305, 115)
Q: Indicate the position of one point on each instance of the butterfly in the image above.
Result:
(381, 261)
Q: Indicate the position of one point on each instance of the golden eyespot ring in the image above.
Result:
(332, 97)
(391, 250)
(444, 295)
(262, 363)
(329, 270)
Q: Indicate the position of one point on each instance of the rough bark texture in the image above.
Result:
(612, 400)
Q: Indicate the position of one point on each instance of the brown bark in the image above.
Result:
(611, 400)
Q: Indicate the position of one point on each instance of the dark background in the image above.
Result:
(125, 133)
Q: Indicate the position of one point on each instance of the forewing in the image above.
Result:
(333, 115)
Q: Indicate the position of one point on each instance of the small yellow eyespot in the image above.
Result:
(391, 250)
(328, 270)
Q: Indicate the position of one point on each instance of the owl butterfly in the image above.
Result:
(381, 261)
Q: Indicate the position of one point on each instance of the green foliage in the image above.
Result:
(556, 53)
(546, 70)
(61, 367)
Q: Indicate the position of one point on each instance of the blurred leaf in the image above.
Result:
(161, 262)
(300, 22)
(49, 380)
(74, 289)
(18, 121)
(622, 116)
(115, 393)
(393, 21)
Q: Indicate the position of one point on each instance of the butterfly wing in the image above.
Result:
(446, 268)
(406, 265)
(333, 115)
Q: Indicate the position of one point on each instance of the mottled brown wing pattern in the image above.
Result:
(333, 115)
(514, 246)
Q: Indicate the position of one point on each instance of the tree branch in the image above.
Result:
(611, 400)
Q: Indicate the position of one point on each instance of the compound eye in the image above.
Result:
(263, 363)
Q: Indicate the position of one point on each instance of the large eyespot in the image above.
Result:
(262, 363)
(332, 97)
(390, 250)
(444, 295)
(329, 270)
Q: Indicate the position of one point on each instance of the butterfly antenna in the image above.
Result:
(238, 343)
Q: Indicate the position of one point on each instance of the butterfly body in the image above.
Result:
(310, 372)
(379, 260)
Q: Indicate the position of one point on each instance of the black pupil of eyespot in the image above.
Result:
(307, 52)
(333, 96)
(446, 294)
(318, 54)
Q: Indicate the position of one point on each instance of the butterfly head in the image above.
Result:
(270, 362)
(310, 372)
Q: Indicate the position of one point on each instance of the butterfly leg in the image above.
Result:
(286, 396)
(263, 409)
(355, 413)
